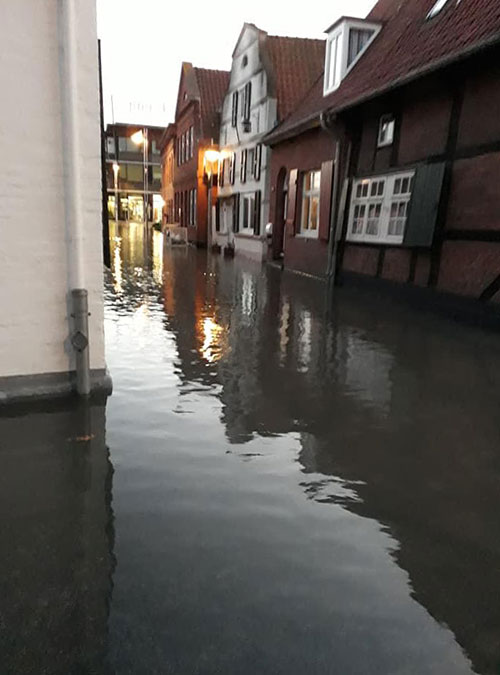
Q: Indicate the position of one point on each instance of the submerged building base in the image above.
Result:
(50, 385)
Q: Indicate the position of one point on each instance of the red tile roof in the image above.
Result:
(212, 85)
(295, 64)
(408, 46)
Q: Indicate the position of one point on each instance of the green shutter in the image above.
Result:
(236, 213)
(257, 208)
(424, 205)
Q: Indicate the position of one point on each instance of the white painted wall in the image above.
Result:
(263, 118)
(34, 270)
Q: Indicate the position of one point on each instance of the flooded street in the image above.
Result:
(291, 487)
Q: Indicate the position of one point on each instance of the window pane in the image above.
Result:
(372, 224)
(305, 213)
(317, 180)
(314, 205)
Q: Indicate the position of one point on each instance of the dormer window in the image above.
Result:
(346, 42)
(437, 7)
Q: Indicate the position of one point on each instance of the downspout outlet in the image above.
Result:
(80, 339)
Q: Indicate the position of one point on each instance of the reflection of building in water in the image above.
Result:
(380, 436)
(56, 538)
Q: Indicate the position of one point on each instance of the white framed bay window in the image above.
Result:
(309, 221)
(379, 208)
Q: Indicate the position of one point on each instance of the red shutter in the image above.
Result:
(292, 201)
(325, 200)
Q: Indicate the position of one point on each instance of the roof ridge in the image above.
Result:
(293, 37)
(211, 70)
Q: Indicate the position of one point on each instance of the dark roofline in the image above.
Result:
(135, 125)
(308, 121)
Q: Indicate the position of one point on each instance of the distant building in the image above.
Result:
(125, 162)
(269, 76)
(167, 146)
(197, 120)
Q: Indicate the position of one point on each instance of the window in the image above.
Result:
(192, 207)
(333, 63)
(440, 4)
(310, 204)
(154, 148)
(379, 208)
(347, 40)
(386, 130)
(243, 169)
(191, 142)
(232, 168)
(234, 110)
(251, 160)
(244, 61)
(358, 39)
(247, 102)
(257, 162)
(110, 146)
(247, 213)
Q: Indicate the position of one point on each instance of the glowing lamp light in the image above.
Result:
(138, 137)
(211, 162)
(212, 156)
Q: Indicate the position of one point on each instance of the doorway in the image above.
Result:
(280, 214)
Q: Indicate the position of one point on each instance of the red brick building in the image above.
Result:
(412, 128)
(197, 123)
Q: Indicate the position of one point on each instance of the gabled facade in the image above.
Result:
(414, 140)
(197, 120)
(269, 75)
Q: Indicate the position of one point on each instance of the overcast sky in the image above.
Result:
(145, 41)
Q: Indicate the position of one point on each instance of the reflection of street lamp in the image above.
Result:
(116, 169)
(141, 138)
(211, 161)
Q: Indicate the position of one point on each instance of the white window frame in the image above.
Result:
(340, 38)
(309, 194)
(384, 143)
(368, 197)
(250, 199)
(438, 6)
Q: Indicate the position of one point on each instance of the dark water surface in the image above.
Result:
(289, 489)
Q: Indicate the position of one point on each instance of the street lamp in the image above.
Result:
(141, 138)
(211, 160)
(116, 169)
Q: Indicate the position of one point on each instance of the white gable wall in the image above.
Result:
(263, 119)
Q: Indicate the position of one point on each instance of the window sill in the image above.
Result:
(247, 235)
(376, 241)
(311, 237)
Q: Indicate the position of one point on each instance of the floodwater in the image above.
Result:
(293, 486)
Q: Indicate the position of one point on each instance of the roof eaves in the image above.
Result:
(276, 137)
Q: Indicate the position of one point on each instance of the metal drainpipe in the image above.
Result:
(78, 292)
(335, 226)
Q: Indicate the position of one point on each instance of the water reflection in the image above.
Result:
(351, 457)
(56, 538)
